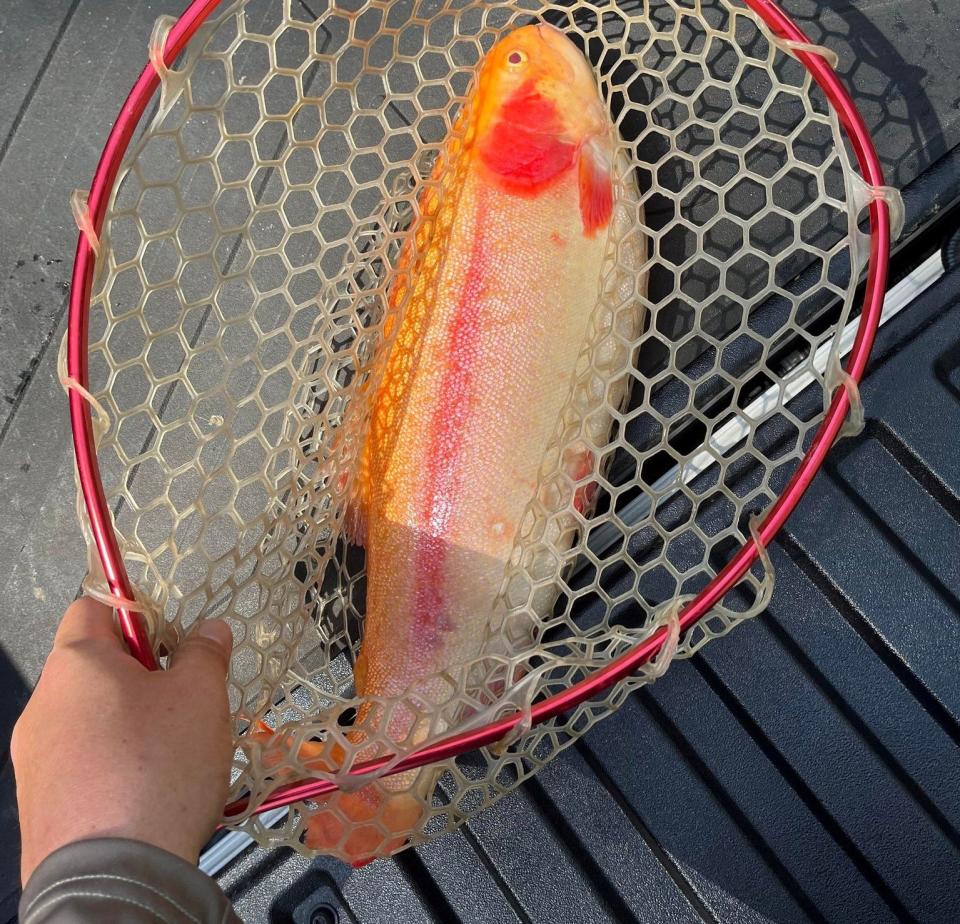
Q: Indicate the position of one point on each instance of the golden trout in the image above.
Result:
(499, 284)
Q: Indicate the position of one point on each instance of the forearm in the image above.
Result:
(112, 879)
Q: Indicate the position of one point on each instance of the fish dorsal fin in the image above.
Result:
(596, 185)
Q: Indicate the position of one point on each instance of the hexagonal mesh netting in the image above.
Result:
(246, 300)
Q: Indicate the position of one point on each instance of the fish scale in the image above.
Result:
(478, 413)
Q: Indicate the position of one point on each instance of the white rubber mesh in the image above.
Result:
(239, 299)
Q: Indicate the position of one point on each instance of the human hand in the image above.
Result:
(106, 748)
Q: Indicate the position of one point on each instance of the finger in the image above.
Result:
(87, 619)
(205, 651)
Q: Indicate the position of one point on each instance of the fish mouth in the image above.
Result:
(577, 66)
(578, 73)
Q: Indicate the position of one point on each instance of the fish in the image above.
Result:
(493, 301)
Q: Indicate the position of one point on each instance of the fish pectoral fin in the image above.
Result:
(596, 185)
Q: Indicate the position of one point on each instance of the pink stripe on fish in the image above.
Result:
(447, 428)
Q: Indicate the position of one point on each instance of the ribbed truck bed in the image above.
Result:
(804, 767)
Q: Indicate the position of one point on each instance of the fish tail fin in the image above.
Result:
(356, 826)
(360, 826)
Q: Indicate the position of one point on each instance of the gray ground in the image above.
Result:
(67, 70)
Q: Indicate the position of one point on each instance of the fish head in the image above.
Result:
(536, 78)
(537, 105)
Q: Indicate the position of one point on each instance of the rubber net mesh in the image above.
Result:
(241, 312)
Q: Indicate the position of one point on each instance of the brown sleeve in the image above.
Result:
(112, 879)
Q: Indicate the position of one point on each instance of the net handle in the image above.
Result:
(92, 488)
(78, 316)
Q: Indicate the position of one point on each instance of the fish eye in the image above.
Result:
(516, 59)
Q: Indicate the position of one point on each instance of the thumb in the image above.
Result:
(206, 651)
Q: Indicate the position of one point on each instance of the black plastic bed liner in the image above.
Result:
(805, 767)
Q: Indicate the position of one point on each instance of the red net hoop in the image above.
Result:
(132, 605)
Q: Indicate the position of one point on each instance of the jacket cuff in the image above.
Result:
(114, 879)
